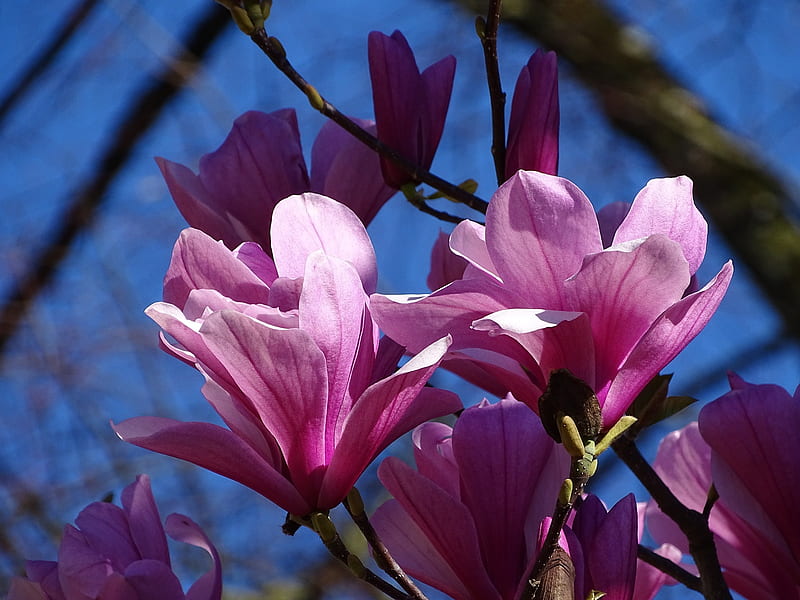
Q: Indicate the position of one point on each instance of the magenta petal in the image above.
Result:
(533, 124)
(216, 449)
(384, 412)
(609, 218)
(612, 552)
(146, 528)
(183, 529)
(82, 570)
(304, 224)
(666, 206)
(283, 374)
(433, 453)
(667, 336)
(149, 579)
(414, 552)
(538, 229)
(437, 81)
(468, 240)
(748, 430)
(199, 262)
(500, 450)
(446, 266)
(444, 521)
(345, 169)
(23, 589)
(104, 528)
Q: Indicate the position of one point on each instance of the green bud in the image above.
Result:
(242, 20)
(617, 429)
(565, 493)
(480, 27)
(324, 526)
(314, 98)
(595, 595)
(570, 436)
(355, 503)
(278, 46)
(356, 566)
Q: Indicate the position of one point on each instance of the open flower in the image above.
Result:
(118, 553)
(533, 124)
(291, 357)
(542, 293)
(260, 163)
(743, 444)
(410, 107)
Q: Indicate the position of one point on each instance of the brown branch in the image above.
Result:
(497, 97)
(276, 53)
(665, 565)
(746, 202)
(46, 55)
(88, 196)
(692, 523)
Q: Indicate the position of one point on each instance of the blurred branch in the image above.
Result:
(87, 197)
(46, 55)
(747, 203)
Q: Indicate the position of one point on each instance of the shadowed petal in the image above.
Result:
(183, 529)
(148, 533)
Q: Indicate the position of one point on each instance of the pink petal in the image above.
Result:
(303, 224)
(333, 308)
(612, 552)
(258, 261)
(500, 450)
(433, 453)
(538, 229)
(283, 374)
(199, 262)
(667, 336)
(384, 412)
(145, 522)
(446, 266)
(623, 291)
(468, 240)
(148, 579)
(216, 449)
(445, 523)
(437, 82)
(666, 206)
(345, 169)
(609, 218)
(533, 124)
(183, 529)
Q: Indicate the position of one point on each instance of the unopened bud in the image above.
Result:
(480, 27)
(324, 526)
(242, 19)
(570, 436)
(565, 493)
(355, 504)
(566, 394)
(356, 566)
(314, 98)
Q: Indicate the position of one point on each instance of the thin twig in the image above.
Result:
(382, 556)
(665, 565)
(692, 523)
(496, 95)
(276, 53)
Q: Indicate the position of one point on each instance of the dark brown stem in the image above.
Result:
(382, 556)
(275, 52)
(338, 549)
(665, 565)
(560, 516)
(692, 523)
(496, 95)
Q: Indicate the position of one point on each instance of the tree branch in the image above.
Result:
(497, 97)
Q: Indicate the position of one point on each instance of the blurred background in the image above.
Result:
(92, 90)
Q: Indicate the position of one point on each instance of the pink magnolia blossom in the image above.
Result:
(470, 520)
(410, 107)
(533, 125)
(291, 358)
(743, 444)
(260, 163)
(541, 292)
(118, 553)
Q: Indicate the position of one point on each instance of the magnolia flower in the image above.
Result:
(533, 125)
(410, 107)
(743, 444)
(542, 293)
(291, 358)
(471, 519)
(260, 163)
(466, 522)
(118, 553)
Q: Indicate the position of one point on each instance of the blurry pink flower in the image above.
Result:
(743, 443)
(466, 522)
(533, 125)
(118, 553)
(541, 292)
(410, 107)
(291, 358)
(260, 163)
